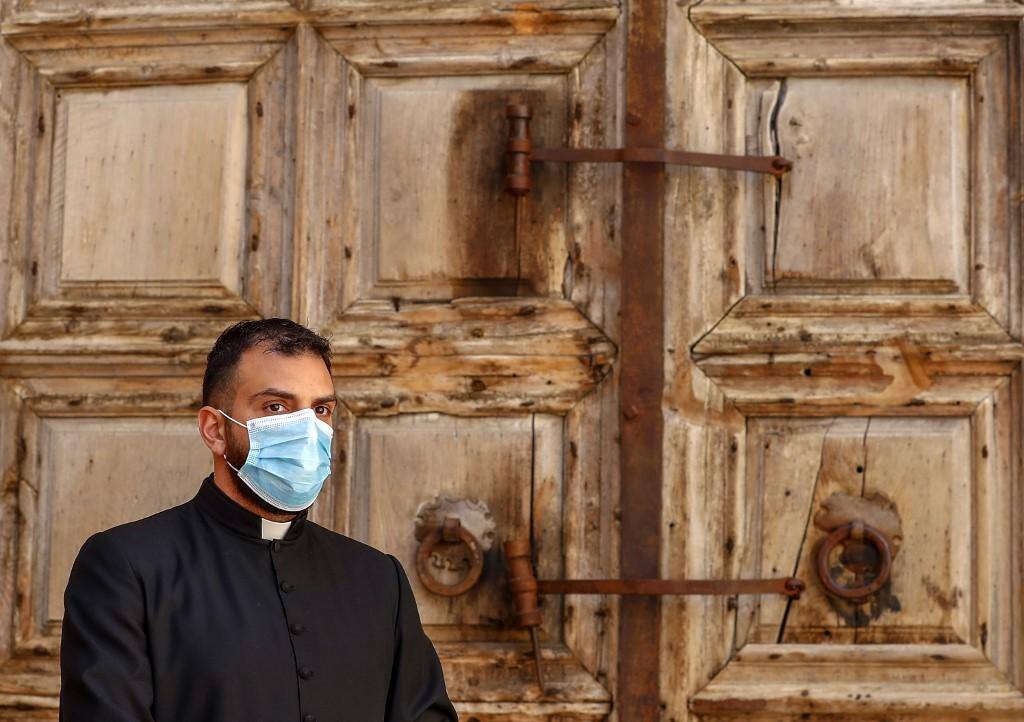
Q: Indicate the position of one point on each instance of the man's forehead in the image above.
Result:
(297, 373)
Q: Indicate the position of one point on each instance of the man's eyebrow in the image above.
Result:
(291, 397)
(270, 391)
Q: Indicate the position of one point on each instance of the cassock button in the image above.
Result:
(287, 587)
(305, 672)
(297, 628)
(276, 545)
(308, 718)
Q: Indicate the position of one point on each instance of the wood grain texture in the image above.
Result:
(797, 386)
(12, 75)
(915, 184)
(453, 322)
(146, 295)
(859, 682)
(60, 16)
(324, 143)
(489, 460)
(825, 46)
(134, 148)
(590, 268)
(863, 312)
(439, 223)
(50, 16)
(46, 456)
(922, 466)
(704, 435)
(501, 687)
(268, 242)
(589, 526)
(740, 12)
(12, 451)
(147, 57)
(83, 455)
(473, 356)
(858, 355)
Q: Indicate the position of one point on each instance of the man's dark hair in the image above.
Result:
(274, 335)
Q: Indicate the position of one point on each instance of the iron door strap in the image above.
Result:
(522, 580)
(526, 588)
(771, 164)
(789, 586)
(521, 153)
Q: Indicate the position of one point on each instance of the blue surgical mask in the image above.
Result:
(289, 458)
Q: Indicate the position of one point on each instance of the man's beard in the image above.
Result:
(236, 456)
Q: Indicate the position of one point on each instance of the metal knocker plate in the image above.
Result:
(450, 532)
(858, 531)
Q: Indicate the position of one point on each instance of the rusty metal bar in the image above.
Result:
(520, 153)
(526, 589)
(537, 667)
(525, 586)
(789, 586)
(774, 165)
(641, 363)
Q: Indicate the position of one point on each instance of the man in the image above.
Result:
(234, 607)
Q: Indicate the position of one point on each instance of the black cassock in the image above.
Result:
(189, 615)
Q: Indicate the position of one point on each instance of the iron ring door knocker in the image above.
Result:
(454, 535)
(857, 531)
(450, 532)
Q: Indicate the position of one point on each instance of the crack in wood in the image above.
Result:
(567, 277)
(773, 125)
(863, 487)
(807, 523)
(864, 460)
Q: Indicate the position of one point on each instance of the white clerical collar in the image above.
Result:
(274, 529)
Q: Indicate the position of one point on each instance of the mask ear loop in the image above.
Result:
(237, 422)
(237, 471)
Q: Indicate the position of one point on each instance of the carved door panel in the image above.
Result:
(470, 367)
(844, 346)
(175, 168)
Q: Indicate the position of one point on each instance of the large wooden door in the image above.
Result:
(840, 344)
(168, 168)
(845, 345)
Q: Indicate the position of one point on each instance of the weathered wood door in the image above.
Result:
(168, 168)
(843, 344)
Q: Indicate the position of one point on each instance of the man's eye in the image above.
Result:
(275, 407)
(322, 410)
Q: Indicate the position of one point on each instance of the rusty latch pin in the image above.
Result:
(536, 660)
(518, 149)
(525, 588)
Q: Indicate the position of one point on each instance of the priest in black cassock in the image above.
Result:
(234, 607)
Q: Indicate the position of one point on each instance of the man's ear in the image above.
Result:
(211, 429)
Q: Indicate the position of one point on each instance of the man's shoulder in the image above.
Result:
(124, 545)
(352, 550)
(140, 533)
